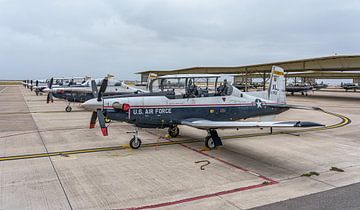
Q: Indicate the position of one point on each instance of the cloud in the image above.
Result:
(94, 37)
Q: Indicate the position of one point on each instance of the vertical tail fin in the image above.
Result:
(276, 91)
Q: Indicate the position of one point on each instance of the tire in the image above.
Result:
(68, 109)
(133, 145)
(174, 131)
(209, 142)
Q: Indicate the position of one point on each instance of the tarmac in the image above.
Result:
(49, 159)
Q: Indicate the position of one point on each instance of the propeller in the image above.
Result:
(102, 88)
(31, 87)
(94, 89)
(98, 114)
(37, 83)
(50, 95)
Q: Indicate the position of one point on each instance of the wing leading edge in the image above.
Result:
(208, 124)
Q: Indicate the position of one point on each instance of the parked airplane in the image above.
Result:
(298, 88)
(83, 92)
(350, 86)
(196, 107)
(318, 86)
(40, 85)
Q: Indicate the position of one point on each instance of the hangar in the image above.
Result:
(334, 67)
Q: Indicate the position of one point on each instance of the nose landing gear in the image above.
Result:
(68, 108)
(135, 141)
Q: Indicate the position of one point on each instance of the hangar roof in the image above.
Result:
(179, 76)
(329, 63)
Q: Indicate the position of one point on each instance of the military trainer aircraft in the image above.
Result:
(298, 88)
(198, 107)
(350, 86)
(80, 93)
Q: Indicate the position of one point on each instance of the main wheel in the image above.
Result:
(209, 142)
(68, 109)
(174, 131)
(135, 144)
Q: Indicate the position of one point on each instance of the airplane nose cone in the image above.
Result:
(92, 105)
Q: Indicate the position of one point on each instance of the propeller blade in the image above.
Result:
(94, 89)
(102, 122)
(102, 88)
(37, 83)
(93, 120)
(31, 87)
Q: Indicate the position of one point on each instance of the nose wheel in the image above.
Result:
(135, 141)
(174, 131)
(68, 109)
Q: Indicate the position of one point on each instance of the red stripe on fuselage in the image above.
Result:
(194, 105)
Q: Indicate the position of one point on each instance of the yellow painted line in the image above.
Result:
(91, 150)
(41, 112)
(344, 121)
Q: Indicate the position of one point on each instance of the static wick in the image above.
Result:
(206, 162)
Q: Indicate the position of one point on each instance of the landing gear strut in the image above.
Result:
(174, 131)
(135, 141)
(212, 140)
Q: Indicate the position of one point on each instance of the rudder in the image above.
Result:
(276, 91)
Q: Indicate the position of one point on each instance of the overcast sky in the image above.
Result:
(39, 39)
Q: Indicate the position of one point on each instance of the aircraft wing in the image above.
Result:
(208, 124)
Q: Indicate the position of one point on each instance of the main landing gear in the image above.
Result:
(135, 141)
(212, 140)
(173, 131)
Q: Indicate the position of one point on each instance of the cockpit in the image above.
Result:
(190, 86)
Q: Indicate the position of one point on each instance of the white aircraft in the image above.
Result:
(200, 106)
